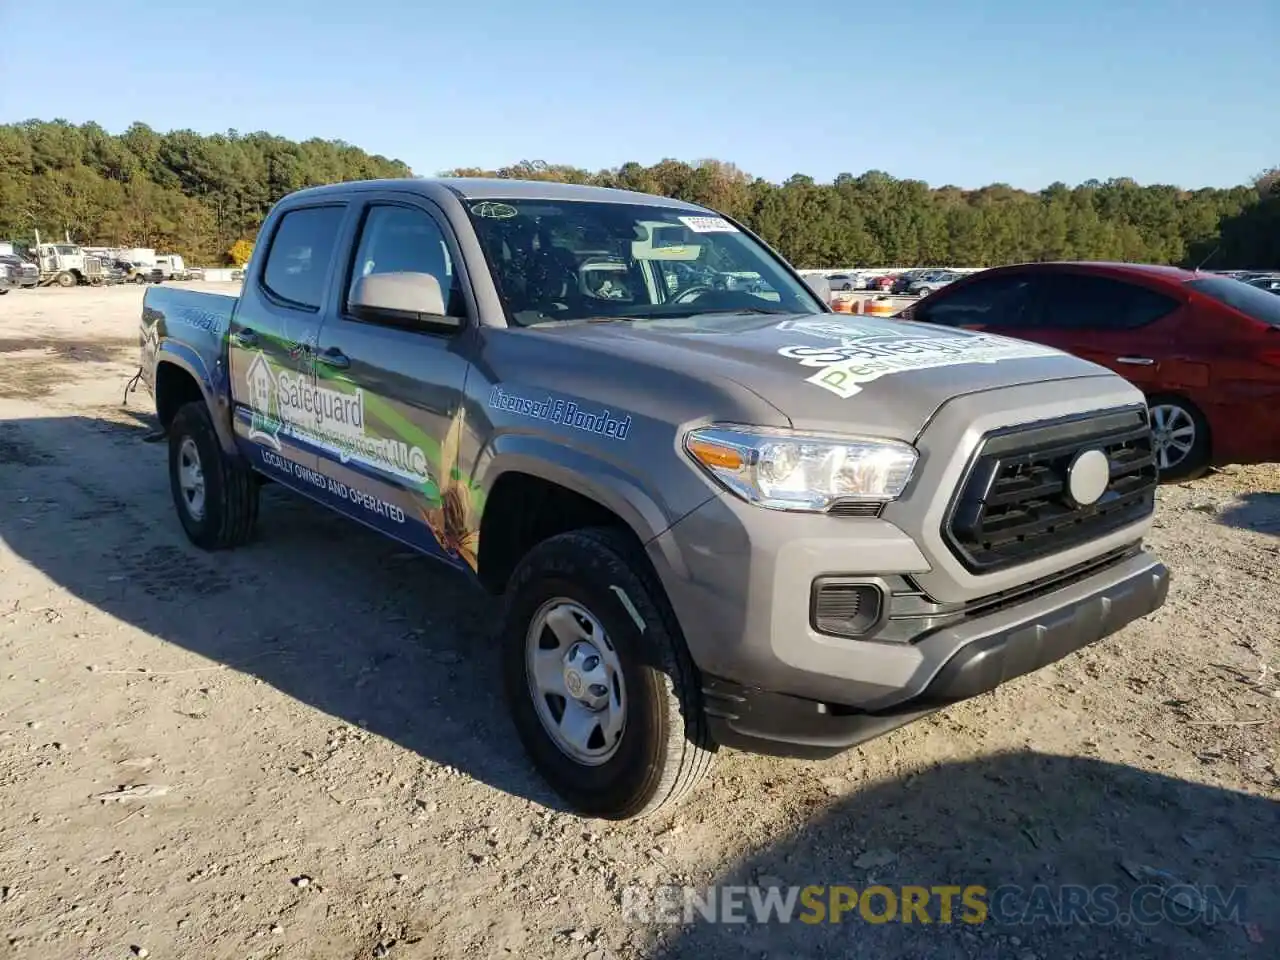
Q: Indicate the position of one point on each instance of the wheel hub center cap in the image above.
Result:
(573, 683)
(585, 677)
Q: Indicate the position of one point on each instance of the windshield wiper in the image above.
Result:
(707, 313)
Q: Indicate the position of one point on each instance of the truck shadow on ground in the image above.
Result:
(1258, 511)
(1195, 865)
(324, 610)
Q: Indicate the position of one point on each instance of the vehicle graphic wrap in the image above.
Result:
(860, 354)
(361, 430)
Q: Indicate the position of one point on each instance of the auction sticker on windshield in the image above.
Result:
(708, 224)
(863, 354)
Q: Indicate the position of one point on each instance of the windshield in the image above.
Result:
(570, 260)
(1251, 301)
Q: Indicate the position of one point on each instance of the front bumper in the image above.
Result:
(990, 650)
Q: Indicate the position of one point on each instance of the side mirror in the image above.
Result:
(404, 298)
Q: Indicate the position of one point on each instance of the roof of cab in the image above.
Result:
(487, 188)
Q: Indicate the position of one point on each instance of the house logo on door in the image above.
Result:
(264, 424)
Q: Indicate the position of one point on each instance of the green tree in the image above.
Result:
(198, 195)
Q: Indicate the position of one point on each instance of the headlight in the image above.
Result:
(784, 470)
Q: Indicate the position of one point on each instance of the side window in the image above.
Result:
(298, 261)
(993, 302)
(397, 239)
(1099, 303)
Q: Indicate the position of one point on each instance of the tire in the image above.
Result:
(1170, 416)
(65, 279)
(662, 749)
(227, 507)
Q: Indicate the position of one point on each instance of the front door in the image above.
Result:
(273, 335)
(398, 467)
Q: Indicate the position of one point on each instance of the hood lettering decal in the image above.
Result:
(862, 353)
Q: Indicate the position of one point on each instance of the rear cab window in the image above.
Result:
(1254, 303)
(297, 264)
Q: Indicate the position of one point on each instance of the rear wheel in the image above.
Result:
(216, 496)
(1181, 438)
(601, 688)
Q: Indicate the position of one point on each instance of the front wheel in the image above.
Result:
(601, 688)
(65, 279)
(1181, 436)
(216, 496)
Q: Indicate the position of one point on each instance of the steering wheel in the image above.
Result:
(689, 294)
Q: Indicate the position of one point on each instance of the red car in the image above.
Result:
(1203, 347)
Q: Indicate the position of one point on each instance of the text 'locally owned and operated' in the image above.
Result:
(375, 505)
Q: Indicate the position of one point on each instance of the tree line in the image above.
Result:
(198, 195)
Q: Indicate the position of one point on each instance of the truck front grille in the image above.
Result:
(1013, 505)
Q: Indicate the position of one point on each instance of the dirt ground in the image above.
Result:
(321, 765)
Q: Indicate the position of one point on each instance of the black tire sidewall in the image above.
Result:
(193, 421)
(615, 786)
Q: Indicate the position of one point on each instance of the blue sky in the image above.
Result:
(1018, 91)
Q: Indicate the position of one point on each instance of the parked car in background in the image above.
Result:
(144, 272)
(932, 281)
(844, 281)
(1205, 348)
(17, 273)
(902, 282)
(1271, 284)
(116, 271)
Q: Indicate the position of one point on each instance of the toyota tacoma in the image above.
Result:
(720, 515)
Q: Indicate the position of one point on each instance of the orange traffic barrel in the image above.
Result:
(880, 307)
(842, 305)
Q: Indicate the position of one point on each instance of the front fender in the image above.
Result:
(644, 510)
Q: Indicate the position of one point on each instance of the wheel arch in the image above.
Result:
(181, 377)
(536, 489)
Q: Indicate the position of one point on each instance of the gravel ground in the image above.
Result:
(315, 761)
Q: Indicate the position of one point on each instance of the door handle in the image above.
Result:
(1136, 361)
(245, 338)
(333, 357)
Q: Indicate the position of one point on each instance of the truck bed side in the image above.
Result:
(183, 339)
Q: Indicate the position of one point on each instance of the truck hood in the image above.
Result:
(835, 372)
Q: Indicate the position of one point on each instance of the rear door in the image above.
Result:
(395, 467)
(1126, 327)
(273, 330)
